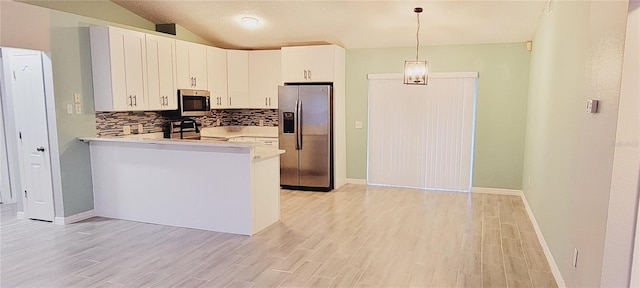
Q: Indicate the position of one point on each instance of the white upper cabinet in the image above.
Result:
(191, 60)
(308, 64)
(217, 77)
(264, 79)
(238, 78)
(161, 73)
(119, 69)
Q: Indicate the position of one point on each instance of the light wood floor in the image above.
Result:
(357, 236)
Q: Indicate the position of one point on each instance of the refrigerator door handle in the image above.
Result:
(298, 125)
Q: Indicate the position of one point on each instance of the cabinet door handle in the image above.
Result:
(309, 74)
(229, 101)
(195, 81)
(135, 100)
(269, 101)
(265, 102)
(305, 74)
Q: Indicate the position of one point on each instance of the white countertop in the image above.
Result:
(259, 151)
(227, 132)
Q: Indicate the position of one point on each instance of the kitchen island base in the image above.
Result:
(230, 188)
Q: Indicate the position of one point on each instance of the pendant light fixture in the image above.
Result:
(415, 72)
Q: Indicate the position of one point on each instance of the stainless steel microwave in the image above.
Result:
(192, 103)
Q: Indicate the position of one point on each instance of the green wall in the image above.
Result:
(71, 61)
(501, 103)
(577, 55)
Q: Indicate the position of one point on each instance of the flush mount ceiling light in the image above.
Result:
(249, 22)
(415, 72)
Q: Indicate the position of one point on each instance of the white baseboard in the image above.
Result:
(552, 262)
(20, 215)
(74, 218)
(498, 191)
(357, 181)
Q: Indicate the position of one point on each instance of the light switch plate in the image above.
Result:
(358, 124)
(78, 108)
(69, 108)
(261, 123)
(592, 106)
(218, 122)
(140, 128)
(76, 97)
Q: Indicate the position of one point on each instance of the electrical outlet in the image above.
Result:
(126, 129)
(140, 128)
(78, 108)
(69, 108)
(261, 123)
(218, 122)
(76, 98)
(358, 124)
(575, 257)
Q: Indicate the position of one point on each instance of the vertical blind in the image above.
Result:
(421, 136)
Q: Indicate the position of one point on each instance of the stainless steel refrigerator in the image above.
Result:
(305, 132)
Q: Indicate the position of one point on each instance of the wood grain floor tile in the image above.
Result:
(491, 237)
(301, 275)
(469, 281)
(493, 276)
(516, 271)
(512, 247)
(334, 265)
(509, 231)
(356, 236)
(536, 259)
(241, 284)
(542, 279)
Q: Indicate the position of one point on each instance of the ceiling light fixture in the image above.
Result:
(415, 72)
(249, 22)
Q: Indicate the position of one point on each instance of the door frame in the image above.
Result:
(7, 194)
(12, 133)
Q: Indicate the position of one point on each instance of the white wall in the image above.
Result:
(623, 196)
(577, 55)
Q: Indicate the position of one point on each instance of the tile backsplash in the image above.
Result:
(250, 117)
(111, 123)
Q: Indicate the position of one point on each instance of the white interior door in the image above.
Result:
(31, 123)
(421, 136)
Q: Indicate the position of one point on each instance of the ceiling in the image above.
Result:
(351, 24)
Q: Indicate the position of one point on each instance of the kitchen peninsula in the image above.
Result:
(212, 185)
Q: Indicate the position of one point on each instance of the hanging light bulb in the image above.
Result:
(416, 72)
